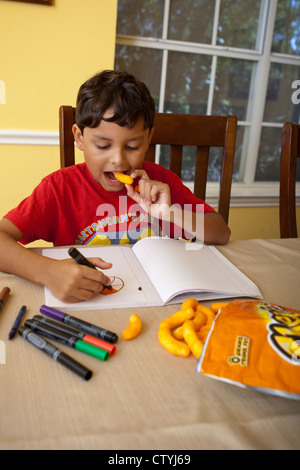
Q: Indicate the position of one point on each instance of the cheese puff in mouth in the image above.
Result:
(123, 178)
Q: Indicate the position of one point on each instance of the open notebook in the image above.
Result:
(159, 271)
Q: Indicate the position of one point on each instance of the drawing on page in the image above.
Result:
(116, 285)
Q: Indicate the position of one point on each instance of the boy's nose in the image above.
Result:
(118, 156)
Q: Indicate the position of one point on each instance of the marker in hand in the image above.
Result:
(80, 259)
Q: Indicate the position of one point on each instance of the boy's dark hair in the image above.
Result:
(127, 96)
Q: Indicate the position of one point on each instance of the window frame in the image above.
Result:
(246, 192)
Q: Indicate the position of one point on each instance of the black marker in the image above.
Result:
(80, 259)
(64, 338)
(55, 353)
(60, 326)
(88, 328)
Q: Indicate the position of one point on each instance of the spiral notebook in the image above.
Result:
(159, 271)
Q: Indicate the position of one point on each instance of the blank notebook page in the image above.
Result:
(177, 267)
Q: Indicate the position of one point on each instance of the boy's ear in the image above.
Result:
(78, 137)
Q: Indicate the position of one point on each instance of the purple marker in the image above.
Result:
(93, 330)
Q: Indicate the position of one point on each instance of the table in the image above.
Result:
(144, 397)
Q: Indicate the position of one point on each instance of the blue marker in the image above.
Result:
(17, 322)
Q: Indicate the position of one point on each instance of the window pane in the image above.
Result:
(286, 38)
(238, 23)
(214, 162)
(268, 163)
(232, 87)
(280, 103)
(187, 83)
(143, 63)
(140, 17)
(191, 20)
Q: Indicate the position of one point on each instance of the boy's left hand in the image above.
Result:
(153, 196)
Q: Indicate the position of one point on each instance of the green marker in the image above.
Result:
(66, 339)
(90, 349)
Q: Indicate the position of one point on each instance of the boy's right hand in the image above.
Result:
(153, 196)
(72, 282)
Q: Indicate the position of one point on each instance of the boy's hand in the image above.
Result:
(153, 196)
(71, 282)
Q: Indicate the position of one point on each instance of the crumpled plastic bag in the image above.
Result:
(255, 344)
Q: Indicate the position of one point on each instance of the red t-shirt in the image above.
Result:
(69, 207)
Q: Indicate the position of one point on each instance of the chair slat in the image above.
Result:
(201, 170)
(175, 163)
(290, 151)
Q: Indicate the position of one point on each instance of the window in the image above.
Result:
(220, 57)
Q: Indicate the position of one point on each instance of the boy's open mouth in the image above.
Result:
(110, 175)
(111, 179)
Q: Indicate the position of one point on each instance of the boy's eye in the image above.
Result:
(103, 147)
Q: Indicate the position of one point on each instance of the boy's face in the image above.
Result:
(109, 148)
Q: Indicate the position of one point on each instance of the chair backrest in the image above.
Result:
(177, 131)
(290, 150)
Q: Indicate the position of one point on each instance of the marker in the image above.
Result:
(78, 334)
(55, 353)
(88, 328)
(3, 296)
(80, 259)
(17, 322)
(66, 339)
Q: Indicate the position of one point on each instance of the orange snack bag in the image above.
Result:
(255, 344)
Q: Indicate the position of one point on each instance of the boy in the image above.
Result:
(86, 204)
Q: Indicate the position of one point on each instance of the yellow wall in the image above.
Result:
(256, 222)
(47, 52)
(45, 55)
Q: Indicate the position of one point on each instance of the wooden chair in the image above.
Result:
(290, 150)
(177, 130)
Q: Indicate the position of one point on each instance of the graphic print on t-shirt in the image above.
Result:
(127, 228)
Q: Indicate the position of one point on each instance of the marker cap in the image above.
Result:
(91, 350)
(52, 312)
(111, 348)
(4, 293)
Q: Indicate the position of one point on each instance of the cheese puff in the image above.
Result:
(126, 179)
(190, 336)
(177, 318)
(190, 303)
(134, 329)
(207, 311)
(171, 344)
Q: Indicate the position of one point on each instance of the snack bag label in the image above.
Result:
(255, 344)
(241, 352)
(284, 332)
